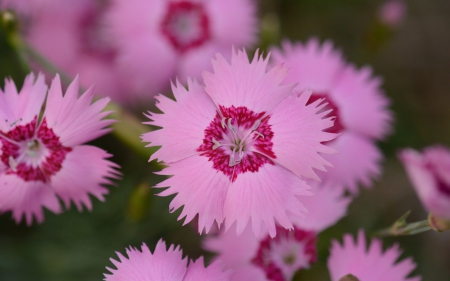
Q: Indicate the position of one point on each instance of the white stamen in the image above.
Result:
(223, 122)
(230, 125)
(15, 122)
(256, 125)
(232, 163)
(216, 144)
(259, 134)
(12, 163)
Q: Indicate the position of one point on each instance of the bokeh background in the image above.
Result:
(414, 60)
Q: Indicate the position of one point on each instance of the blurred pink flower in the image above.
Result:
(159, 40)
(27, 7)
(392, 12)
(70, 35)
(370, 264)
(162, 264)
(429, 173)
(278, 259)
(238, 147)
(42, 158)
(359, 108)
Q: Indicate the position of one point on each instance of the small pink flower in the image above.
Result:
(429, 173)
(163, 264)
(42, 158)
(370, 264)
(392, 12)
(238, 147)
(357, 103)
(159, 40)
(26, 7)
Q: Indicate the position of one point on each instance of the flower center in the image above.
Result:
(288, 252)
(238, 140)
(186, 25)
(31, 155)
(337, 127)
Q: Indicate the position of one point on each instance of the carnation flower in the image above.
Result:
(162, 264)
(279, 258)
(429, 173)
(238, 147)
(358, 106)
(42, 158)
(162, 39)
(370, 264)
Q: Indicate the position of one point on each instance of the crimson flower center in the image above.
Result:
(186, 25)
(237, 141)
(33, 154)
(338, 126)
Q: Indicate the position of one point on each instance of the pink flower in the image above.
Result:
(429, 173)
(370, 264)
(392, 12)
(26, 7)
(238, 147)
(70, 35)
(42, 158)
(359, 108)
(162, 264)
(279, 258)
(159, 40)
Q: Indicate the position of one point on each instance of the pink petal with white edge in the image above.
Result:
(362, 103)
(357, 161)
(199, 187)
(74, 119)
(26, 198)
(162, 264)
(326, 207)
(20, 108)
(369, 265)
(266, 197)
(183, 123)
(84, 170)
(197, 272)
(425, 182)
(298, 133)
(244, 83)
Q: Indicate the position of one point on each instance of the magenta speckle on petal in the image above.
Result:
(238, 140)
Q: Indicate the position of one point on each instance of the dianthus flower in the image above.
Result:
(42, 158)
(370, 264)
(163, 264)
(429, 173)
(358, 106)
(159, 40)
(277, 259)
(238, 147)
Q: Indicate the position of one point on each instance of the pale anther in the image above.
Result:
(12, 163)
(256, 125)
(223, 122)
(216, 144)
(259, 134)
(230, 125)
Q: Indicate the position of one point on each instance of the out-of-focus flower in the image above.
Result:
(279, 258)
(429, 173)
(163, 264)
(370, 264)
(27, 7)
(392, 12)
(69, 34)
(238, 147)
(359, 108)
(42, 158)
(159, 40)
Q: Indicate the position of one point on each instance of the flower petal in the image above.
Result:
(197, 272)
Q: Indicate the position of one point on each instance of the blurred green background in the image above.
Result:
(413, 59)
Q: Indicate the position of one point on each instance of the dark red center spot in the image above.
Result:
(238, 141)
(337, 127)
(299, 248)
(441, 184)
(31, 155)
(186, 25)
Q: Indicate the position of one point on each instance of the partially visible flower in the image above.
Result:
(159, 40)
(26, 7)
(163, 264)
(370, 264)
(238, 147)
(392, 12)
(358, 105)
(42, 158)
(429, 173)
(277, 259)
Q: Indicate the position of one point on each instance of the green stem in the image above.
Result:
(401, 227)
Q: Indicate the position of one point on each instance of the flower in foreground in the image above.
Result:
(370, 264)
(42, 158)
(429, 173)
(358, 105)
(163, 264)
(238, 147)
